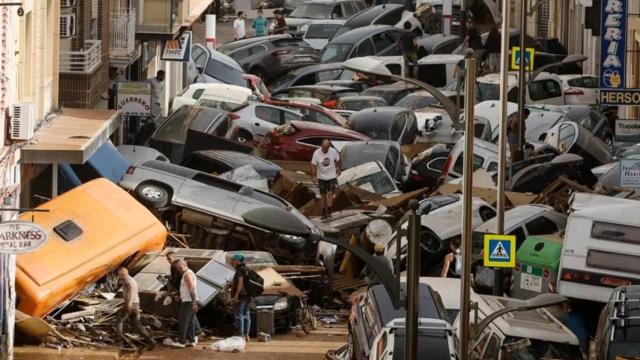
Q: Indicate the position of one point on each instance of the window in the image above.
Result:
(308, 79)
(493, 166)
(395, 69)
(327, 75)
(566, 136)
(220, 127)
(541, 226)
(382, 41)
(317, 116)
(348, 9)
(544, 89)
(478, 161)
(337, 12)
(615, 232)
(199, 56)
(196, 94)
(397, 127)
(317, 141)
(436, 164)
(492, 348)
(321, 31)
(391, 161)
(338, 52)
(225, 73)
(613, 261)
(240, 54)
(364, 48)
(519, 233)
(269, 114)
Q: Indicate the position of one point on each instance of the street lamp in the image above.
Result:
(540, 301)
(371, 66)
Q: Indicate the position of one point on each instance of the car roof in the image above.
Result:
(367, 150)
(495, 78)
(605, 208)
(315, 68)
(326, 22)
(427, 305)
(431, 41)
(359, 97)
(234, 157)
(325, 128)
(368, 15)
(226, 59)
(437, 59)
(381, 114)
(354, 36)
(236, 44)
(514, 217)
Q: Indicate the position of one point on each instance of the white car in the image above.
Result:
(371, 176)
(545, 89)
(192, 93)
(580, 89)
(317, 33)
(224, 97)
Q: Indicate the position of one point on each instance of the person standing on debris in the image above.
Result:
(188, 306)
(175, 278)
(130, 309)
(259, 24)
(239, 31)
(409, 46)
(239, 297)
(157, 90)
(325, 169)
(452, 264)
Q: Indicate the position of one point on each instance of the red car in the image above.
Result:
(298, 140)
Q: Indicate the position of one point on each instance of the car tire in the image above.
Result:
(244, 137)
(152, 195)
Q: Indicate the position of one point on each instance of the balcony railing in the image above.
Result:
(82, 61)
(122, 40)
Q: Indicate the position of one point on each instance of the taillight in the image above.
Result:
(131, 170)
(574, 92)
(281, 52)
(234, 116)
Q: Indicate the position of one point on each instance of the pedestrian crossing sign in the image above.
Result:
(529, 58)
(499, 250)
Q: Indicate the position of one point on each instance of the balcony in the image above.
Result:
(122, 38)
(163, 19)
(82, 61)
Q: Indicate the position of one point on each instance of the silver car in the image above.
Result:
(253, 121)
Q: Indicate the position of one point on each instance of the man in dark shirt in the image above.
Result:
(409, 51)
(280, 24)
(239, 296)
(472, 37)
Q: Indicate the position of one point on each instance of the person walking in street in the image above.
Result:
(240, 298)
(409, 46)
(279, 25)
(175, 278)
(130, 309)
(492, 49)
(259, 24)
(325, 169)
(188, 306)
(157, 91)
(239, 31)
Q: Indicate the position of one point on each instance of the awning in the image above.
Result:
(72, 137)
(195, 13)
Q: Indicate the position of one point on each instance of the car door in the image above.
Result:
(385, 43)
(199, 57)
(269, 117)
(364, 48)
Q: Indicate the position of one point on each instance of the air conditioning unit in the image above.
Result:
(23, 121)
(67, 25)
(67, 3)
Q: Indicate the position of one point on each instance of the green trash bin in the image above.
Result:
(537, 264)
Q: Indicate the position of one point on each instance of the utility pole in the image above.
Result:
(502, 138)
(467, 204)
(413, 284)
(522, 86)
(463, 18)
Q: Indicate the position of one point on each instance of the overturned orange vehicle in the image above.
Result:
(92, 229)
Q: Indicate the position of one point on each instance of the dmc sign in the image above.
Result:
(21, 236)
(613, 36)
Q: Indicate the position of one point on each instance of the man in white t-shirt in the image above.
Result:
(238, 27)
(325, 168)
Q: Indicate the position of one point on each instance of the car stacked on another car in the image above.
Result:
(386, 123)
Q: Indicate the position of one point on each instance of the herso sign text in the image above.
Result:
(21, 236)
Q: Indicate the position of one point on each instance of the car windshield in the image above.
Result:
(225, 73)
(378, 130)
(321, 31)
(487, 91)
(413, 102)
(335, 53)
(379, 183)
(357, 105)
(174, 129)
(312, 11)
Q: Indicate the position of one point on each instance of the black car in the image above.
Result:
(364, 41)
(387, 153)
(386, 123)
(221, 161)
(437, 44)
(230, 46)
(426, 168)
(391, 93)
(537, 177)
(386, 14)
(373, 313)
(193, 128)
(272, 58)
(308, 75)
(618, 336)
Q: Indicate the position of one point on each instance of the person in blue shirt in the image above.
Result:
(260, 24)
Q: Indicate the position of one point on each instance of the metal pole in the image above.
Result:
(522, 86)
(467, 228)
(502, 139)
(8, 303)
(413, 279)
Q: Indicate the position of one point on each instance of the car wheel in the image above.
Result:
(152, 195)
(432, 245)
(244, 137)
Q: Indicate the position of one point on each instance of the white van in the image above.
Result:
(485, 156)
(601, 247)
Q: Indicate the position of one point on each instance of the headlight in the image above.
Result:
(281, 304)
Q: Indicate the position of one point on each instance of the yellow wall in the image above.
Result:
(37, 62)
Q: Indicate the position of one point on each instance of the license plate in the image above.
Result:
(530, 282)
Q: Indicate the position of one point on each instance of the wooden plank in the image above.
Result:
(78, 314)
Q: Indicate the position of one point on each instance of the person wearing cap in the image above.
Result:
(239, 297)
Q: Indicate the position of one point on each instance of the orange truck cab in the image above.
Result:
(92, 229)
